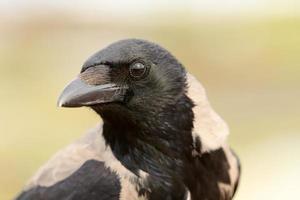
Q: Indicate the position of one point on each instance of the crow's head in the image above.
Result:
(133, 77)
(139, 89)
(154, 113)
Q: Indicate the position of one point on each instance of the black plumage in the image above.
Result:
(89, 182)
(159, 139)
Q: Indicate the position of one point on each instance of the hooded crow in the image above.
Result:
(159, 139)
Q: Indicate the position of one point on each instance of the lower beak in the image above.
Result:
(78, 93)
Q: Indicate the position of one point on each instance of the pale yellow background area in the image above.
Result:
(246, 53)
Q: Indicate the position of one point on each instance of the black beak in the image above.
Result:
(78, 93)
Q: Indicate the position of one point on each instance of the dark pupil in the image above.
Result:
(137, 70)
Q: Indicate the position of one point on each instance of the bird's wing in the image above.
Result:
(234, 170)
(209, 127)
(69, 159)
(86, 167)
(90, 182)
(213, 175)
(210, 134)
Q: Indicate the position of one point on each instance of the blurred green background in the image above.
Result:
(245, 53)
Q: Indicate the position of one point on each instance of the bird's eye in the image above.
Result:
(137, 70)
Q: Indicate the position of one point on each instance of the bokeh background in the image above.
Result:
(246, 53)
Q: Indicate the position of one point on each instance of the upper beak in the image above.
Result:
(78, 93)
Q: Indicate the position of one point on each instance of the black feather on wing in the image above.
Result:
(92, 181)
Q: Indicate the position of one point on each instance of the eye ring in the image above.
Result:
(138, 70)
